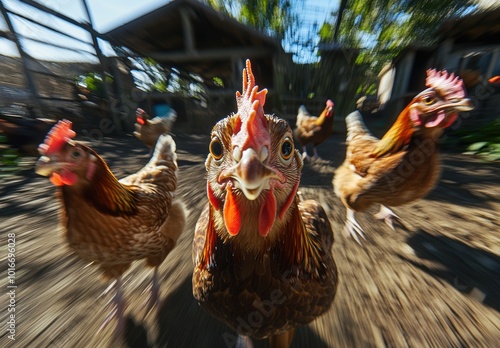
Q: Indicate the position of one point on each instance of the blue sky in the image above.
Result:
(106, 15)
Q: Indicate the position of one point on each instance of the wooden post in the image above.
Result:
(24, 60)
(103, 69)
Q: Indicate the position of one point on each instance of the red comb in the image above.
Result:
(248, 98)
(250, 104)
(449, 85)
(57, 137)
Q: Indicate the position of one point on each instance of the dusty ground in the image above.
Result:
(436, 284)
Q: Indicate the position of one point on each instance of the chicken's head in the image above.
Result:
(253, 168)
(65, 161)
(439, 105)
(141, 116)
(328, 111)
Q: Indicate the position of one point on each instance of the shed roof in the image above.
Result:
(194, 37)
(478, 28)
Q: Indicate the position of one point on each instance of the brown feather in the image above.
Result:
(107, 194)
(210, 242)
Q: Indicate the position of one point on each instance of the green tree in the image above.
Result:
(380, 29)
(373, 32)
(272, 17)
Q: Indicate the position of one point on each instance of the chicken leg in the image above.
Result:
(154, 294)
(304, 153)
(118, 308)
(283, 340)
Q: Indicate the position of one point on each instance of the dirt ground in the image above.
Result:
(436, 284)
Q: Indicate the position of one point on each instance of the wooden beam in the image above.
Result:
(214, 54)
(103, 69)
(63, 47)
(187, 30)
(25, 58)
(38, 6)
(48, 27)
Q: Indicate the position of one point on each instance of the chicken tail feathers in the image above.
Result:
(164, 151)
(356, 127)
(302, 115)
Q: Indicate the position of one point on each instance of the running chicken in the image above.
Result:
(313, 130)
(404, 165)
(112, 222)
(148, 129)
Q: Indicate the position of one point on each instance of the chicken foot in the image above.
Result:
(388, 216)
(352, 227)
(305, 156)
(315, 153)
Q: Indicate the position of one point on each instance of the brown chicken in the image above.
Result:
(404, 165)
(313, 130)
(113, 222)
(263, 258)
(148, 129)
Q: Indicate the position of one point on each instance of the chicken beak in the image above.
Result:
(463, 105)
(45, 166)
(251, 174)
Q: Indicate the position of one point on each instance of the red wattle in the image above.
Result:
(55, 178)
(211, 197)
(267, 214)
(451, 120)
(69, 178)
(232, 213)
(64, 178)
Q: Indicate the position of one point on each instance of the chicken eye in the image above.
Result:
(428, 100)
(216, 148)
(76, 153)
(287, 148)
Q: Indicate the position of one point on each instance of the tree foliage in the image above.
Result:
(370, 34)
(378, 30)
(382, 28)
(273, 17)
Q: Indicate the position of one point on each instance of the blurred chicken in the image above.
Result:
(404, 165)
(258, 249)
(313, 130)
(113, 222)
(24, 133)
(148, 130)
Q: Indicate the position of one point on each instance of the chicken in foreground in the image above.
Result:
(148, 129)
(404, 165)
(263, 258)
(113, 222)
(313, 130)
